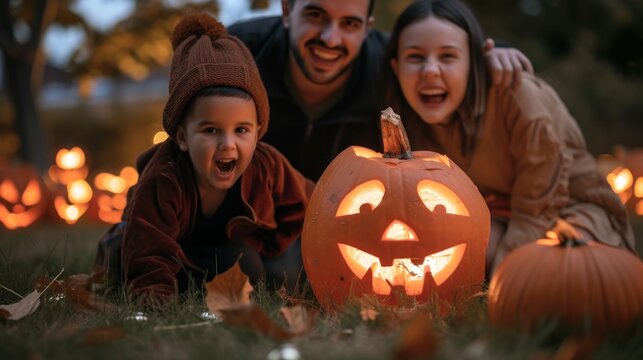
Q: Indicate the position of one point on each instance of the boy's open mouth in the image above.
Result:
(226, 166)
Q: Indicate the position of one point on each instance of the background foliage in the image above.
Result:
(591, 51)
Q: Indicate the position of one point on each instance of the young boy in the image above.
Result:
(212, 192)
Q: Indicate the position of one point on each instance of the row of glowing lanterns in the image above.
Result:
(66, 184)
(24, 198)
(625, 175)
(73, 194)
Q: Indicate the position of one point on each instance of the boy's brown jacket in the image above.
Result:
(162, 209)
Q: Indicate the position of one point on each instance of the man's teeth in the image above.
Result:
(325, 55)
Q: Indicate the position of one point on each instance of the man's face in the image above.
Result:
(326, 35)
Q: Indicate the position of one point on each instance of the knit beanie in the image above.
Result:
(205, 55)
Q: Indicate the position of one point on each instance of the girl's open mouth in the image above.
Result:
(433, 96)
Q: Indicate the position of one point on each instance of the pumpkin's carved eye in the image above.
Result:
(367, 195)
(434, 194)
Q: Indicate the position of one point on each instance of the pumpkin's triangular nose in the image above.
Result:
(399, 231)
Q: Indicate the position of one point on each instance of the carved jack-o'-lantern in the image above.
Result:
(404, 222)
(74, 204)
(70, 166)
(21, 196)
(112, 197)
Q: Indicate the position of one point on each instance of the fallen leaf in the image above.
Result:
(24, 307)
(4, 314)
(229, 290)
(418, 340)
(368, 314)
(254, 318)
(76, 289)
(300, 319)
(79, 295)
(103, 335)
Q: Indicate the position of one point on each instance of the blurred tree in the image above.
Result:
(136, 45)
(130, 48)
(22, 24)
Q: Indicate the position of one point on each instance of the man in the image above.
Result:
(320, 62)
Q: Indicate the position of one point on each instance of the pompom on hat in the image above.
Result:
(205, 55)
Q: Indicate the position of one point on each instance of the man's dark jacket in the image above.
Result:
(353, 120)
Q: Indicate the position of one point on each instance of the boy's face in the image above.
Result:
(220, 135)
(326, 35)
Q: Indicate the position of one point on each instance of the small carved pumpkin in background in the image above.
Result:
(22, 197)
(585, 285)
(112, 193)
(409, 223)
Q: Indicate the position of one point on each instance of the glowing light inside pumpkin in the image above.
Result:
(620, 179)
(8, 191)
(550, 240)
(638, 187)
(110, 207)
(129, 175)
(365, 152)
(433, 194)
(639, 207)
(70, 166)
(32, 195)
(399, 231)
(69, 213)
(70, 159)
(18, 215)
(159, 137)
(370, 192)
(79, 192)
(403, 272)
(439, 159)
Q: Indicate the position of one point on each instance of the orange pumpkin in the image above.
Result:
(586, 286)
(403, 223)
(22, 197)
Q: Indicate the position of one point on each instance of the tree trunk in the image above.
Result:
(19, 60)
(27, 122)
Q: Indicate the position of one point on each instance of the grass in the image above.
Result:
(59, 330)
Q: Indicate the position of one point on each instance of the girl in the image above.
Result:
(519, 145)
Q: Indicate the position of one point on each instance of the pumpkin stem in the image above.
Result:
(394, 138)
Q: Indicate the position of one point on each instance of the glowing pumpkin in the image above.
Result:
(70, 166)
(22, 199)
(403, 223)
(112, 196)
(585, 286)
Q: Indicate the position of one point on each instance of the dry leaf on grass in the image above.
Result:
(418, 340)
(102, 335)
(228, 295)
(300, 319)
(229, 290)
(368, 314)
(76, 290)
(254, 318)
(24, 307)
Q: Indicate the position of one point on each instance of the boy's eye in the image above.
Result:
(210, 130)
(242, 130)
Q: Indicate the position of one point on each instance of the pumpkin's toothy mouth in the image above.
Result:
(403, 272)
